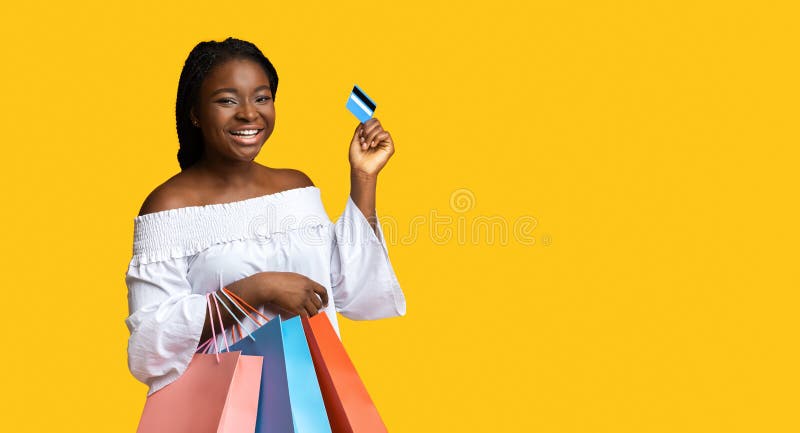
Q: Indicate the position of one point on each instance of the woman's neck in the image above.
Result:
(236, 174)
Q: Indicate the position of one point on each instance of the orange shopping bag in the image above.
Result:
(218, 393)
(349, 407)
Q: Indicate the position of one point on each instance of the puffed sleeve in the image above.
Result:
(364, 284)
(165, 322)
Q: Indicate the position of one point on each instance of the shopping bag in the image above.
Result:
(290, 400)
(350, 409)
(218, 393)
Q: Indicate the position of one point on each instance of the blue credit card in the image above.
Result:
(360, 104)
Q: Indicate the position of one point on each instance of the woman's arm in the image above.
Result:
(295, 293)
(364, 285)
(370, 150)
(363, 190)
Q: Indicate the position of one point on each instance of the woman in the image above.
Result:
(261, 232)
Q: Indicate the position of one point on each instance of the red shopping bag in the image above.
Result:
(350, 409)
(218, 393)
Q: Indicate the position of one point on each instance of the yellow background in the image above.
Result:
(655, 144)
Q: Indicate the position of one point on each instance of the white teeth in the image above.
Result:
(246, 132)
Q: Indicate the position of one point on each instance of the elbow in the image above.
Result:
(381, 301)
(163, 341)
(155, 363)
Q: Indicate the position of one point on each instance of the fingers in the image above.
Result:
(322, 292)
(371, 128)
(316, 301)
(372, 134)
(383, 136)
(371, 122)
(309, 309)
(358, 134)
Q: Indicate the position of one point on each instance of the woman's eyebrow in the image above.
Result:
(232, 90)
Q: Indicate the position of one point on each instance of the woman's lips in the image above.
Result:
(247, 140)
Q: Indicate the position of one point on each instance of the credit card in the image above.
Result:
(360, 104)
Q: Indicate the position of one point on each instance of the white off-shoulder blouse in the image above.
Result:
(179, 255)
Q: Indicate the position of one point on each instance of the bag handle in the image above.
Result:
(241, 301)
(206, 346)
(237, 330)
(221, 328)
(237, 301)
(213, 332)
(202, 348)
(216, 296)
(238, 325)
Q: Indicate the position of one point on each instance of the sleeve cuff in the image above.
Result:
(356, 228)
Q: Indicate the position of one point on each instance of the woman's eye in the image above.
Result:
(226, 101)
(263, 98)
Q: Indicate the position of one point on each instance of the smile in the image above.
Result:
(246, 132)
(246, 137)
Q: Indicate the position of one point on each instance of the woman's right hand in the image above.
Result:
(290, 291)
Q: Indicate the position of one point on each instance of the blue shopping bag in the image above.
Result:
(290, 400)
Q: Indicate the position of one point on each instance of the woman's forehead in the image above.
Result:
(240, 74)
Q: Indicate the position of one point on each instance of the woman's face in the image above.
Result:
(235, 110)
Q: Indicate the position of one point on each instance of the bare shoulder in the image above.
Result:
(186, 189)
(289, 178)
(172, 194)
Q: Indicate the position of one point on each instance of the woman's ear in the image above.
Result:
(193, 118)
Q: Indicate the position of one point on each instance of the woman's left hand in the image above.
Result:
(370, 148)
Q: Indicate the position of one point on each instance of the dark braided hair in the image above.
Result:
(203, 58)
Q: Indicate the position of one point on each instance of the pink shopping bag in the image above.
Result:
(218, 393)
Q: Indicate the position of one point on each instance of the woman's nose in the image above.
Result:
(247, 112)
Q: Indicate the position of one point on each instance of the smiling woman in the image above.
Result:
(262, 232)
(235, 110)
(221, 75)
